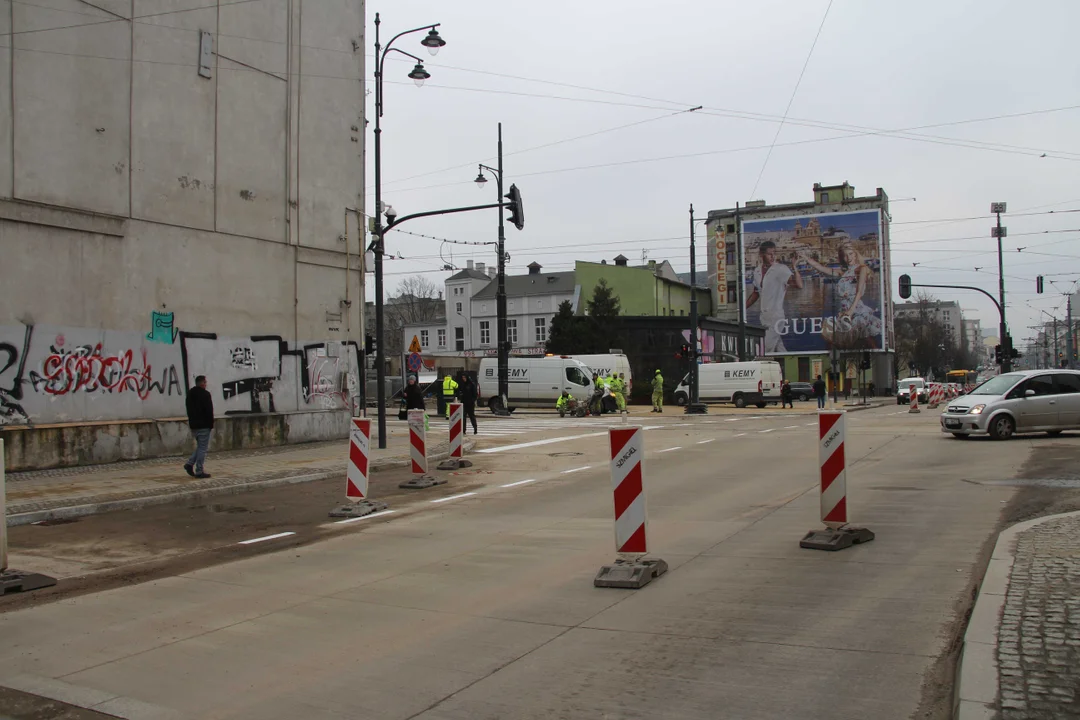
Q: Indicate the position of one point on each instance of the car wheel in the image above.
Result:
(898, 401)
(960, 436)
(740, 401)
(1053, 433)
(680, 399)
(804, 397)
(1002, 427)
(761, 405)
(495, 404)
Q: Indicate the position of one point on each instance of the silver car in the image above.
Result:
(1017, 402)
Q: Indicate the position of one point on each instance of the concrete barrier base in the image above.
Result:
(358, 509)
(829, 539)
(15, 581)
(422, 482)
(631, 574)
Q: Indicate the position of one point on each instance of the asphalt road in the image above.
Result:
(482, 605)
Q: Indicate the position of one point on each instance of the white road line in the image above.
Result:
(791, 427)
(702, 442)
(365, 517)
(537, 443)
(574, 470)
(756, 417)
(809, 424)
(677, 447)
(519, 482)
(738, 434)
(765, 431)
(264, 539)
(453, 497)
(731, 419)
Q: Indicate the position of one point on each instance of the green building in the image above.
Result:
(654, 289)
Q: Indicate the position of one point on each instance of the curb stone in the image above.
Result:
(90, 506)
(976, 691)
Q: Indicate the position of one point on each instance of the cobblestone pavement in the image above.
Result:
(1039, 638)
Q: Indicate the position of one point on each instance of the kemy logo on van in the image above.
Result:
(739, 373)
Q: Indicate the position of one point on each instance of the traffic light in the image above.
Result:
(1039, 284)
(517, 210)
(905, 286)
(866, 361)
(997, 354)
(369, 344)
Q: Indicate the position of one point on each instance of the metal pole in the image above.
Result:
(739, 289)
(380, 352)
(500, 296)
(3, 514)
(693, 406)
(1057, 346)
(1069, 334)
(1006, 345)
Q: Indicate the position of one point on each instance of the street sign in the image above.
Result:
(414, 362)
(414, 346)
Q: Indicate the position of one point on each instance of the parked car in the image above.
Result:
(802, 390)
(1017, 402)
(903, 389)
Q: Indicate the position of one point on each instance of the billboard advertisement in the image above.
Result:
(719, 245)
(815, 282)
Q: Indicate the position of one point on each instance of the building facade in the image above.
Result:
(945, 312)
(167, 210)
(814, 275)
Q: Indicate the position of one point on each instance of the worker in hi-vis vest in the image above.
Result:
(449, 389)
(658, 392)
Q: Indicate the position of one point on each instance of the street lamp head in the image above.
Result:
(480, 181)
(419, 74)
(433, 42)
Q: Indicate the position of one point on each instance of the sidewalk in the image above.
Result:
(91, 489)
(1021, 652)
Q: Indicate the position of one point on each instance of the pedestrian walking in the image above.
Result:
(449, 389)
(819, 392)
(871, 389)
(200, 412)
(658, 392)
(786, 396)
(414, 396)
(467, 393)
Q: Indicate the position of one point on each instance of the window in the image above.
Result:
(458, 308)
(731, 227)
(1041, 384)
(511, 304)
(1067, 383)
(577, 377)
(824, 197)
(540, 325)
(485, 332)
(459, 338)
(442, 338)
(732, 295)
(804, 369)
(511, 331)
(424, 338)
(730, 256)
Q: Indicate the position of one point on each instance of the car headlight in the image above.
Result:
(977, 410)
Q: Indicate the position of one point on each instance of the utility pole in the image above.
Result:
(739, 286)
(1003, 332)
(693, 407)
(500, 300)
(1069, 334)
(1057, 347)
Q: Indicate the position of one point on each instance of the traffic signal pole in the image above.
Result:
(1003, 332)
(693, 407)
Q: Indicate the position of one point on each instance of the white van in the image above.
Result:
(741, 383)
(604, 365)
(536, 381)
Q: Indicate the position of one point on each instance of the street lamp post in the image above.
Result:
(693, 407)
(500, 294)
(1006, 342)
(378, 247)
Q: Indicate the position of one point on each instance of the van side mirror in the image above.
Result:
(1029, 393)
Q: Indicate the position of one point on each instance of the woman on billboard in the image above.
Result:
(856, 319)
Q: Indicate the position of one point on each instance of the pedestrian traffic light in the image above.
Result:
(517, 210)
(1039, 284)
(866, 361)
(997, 354)
(905, 286)
(369, 344)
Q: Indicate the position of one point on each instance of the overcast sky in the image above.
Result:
(623, 160)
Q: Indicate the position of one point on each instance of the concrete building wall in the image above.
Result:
(132, 189)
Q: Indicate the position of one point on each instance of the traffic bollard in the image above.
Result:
(356, 478)
(14, 580)
(832, 463)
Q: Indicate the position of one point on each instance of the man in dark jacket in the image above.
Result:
(820, 392)
(468, 394)
(414, 396)
(200, 412)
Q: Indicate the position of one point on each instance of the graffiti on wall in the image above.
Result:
(62, 374)
(162, 328)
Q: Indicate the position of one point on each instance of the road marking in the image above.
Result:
(677, 447)
(756, 417)
(365, 517)
(791, 427)
(264, 539)
(574, 470)
(453, 497)
(731, 419)
(809, 424)
(537, 443)
(765, 431)
(738, 434)
(519, 482)
(702, 442)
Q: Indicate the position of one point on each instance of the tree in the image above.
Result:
(418, 300)
(565, 336)
(589, 334)
(923, 343)
(604, 302)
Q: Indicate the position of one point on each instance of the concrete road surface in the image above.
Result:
(482, 605)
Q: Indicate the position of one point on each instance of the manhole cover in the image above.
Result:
(565, 454)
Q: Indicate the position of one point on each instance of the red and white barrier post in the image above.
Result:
(936, 393)
(832, 460)
(457, 433)
(14, 580)
(418, 453)
(356, 477)
(913, 399)
(631, 569)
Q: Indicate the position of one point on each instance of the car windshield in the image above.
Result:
(905, 384)
(998, 385)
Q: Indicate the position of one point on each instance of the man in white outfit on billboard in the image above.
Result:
(771, 281)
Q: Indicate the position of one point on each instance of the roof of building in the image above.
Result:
(468, 274)
(557, 283)
(701, 279)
